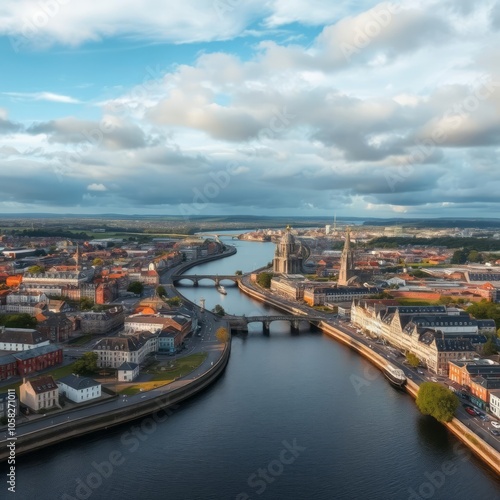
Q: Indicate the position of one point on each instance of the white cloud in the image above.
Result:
(97, 187)
(42, 96)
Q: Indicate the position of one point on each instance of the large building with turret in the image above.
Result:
(288, 255)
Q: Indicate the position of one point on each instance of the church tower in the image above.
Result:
(346, 261)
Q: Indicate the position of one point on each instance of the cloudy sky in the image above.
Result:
(265, 107)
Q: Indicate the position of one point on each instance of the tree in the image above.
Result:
(474, 256)
(459, 256)
(97, 262)
(86, 304)
(136, 287)
(437, 401)
(413, 361)
(22, 320)
(239, 272)
(219, 310)
(36, 270)
(86, 365)
(174, 302)
(264, 279)
(222, 334)
(160, 291)
(490, 347)
(485, 310)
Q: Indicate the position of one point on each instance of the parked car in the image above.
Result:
(495, 424)
(495, 432)
(470, 411)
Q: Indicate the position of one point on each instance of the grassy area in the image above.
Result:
(80, 340)
(57, 373)
(180, 368)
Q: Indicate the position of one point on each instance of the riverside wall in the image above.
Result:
(477, 445)
(156, 409)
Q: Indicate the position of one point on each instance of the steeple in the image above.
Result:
(346, 260)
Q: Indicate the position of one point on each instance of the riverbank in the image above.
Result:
(478, 446)
(70, 425)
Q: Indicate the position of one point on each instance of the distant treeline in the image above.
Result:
(436, 223)
(479, 244)
(50, 233)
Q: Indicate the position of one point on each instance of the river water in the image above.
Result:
(293, 417)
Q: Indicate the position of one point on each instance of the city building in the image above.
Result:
(6, 404)
(288, 255)
(21, 339)
(495, 402)
(290, 286)
(102, 322)
(321, 295)
(37, 359)
(8, 366)
(412, 329)
(38, 394)
(79, 389)
(113, 351)
(127, 372)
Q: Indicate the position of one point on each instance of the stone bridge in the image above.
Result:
(240, 323)
(196, 278)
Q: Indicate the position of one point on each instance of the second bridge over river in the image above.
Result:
(240, 323)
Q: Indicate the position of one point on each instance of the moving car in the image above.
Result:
(470, 411)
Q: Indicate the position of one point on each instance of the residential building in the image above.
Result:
(37, 359)
(102, 322)
(127, 372)
(7, 403)
(113, 351)
(320, 295)
(495, 402)
(8, 366)
(38, 394)
(21, 339)
(79, 389)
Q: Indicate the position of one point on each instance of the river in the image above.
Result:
(293, 417)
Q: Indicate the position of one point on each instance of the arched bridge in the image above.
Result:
(196, 278)
(241, 322)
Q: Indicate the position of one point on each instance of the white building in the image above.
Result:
(495, 402)
(21, 339)
(79, 389)
(113, 351)
(128, 372)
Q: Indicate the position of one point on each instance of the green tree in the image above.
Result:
(239, 272)
(35, 269)
(459, 256)
(97, 262)
(222, 334)
(219, 310)
(22, 320)
(485, 310)
(474, 256)
(136, 287)
(160, 291)
(86, 365)
(413, 361)
(264, 279)
(438, 401)
(86, 304)
(174, 302)
(490, 347)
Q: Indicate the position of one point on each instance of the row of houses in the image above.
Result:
(30, 361)
(479, 381)
(432, 333)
